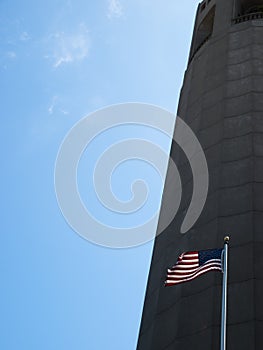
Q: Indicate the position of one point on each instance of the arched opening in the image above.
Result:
(247, 7)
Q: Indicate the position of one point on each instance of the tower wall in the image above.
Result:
(222, 101)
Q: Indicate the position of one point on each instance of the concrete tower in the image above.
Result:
(222, 101)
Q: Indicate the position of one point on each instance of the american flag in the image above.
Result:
(193, 264)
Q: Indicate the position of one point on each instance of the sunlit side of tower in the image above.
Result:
(222, 101)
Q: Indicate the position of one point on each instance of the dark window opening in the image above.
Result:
(253, 9)
(203, 6)
(247, 10)
(204, 31)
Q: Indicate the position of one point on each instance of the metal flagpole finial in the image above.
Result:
(226, 239)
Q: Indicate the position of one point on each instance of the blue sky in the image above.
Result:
(61, 60)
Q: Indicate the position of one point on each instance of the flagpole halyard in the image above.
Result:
(224, 295)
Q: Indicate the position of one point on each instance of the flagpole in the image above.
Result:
(224, 295)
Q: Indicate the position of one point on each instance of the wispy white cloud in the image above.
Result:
(55, 106)
(24, 36)
(52, 105)
(11, 55)
(63, 111)
(68, 48)
(115, 9)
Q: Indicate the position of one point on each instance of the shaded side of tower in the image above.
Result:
(222, 101)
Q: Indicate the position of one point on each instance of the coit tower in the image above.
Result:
(222, 101)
